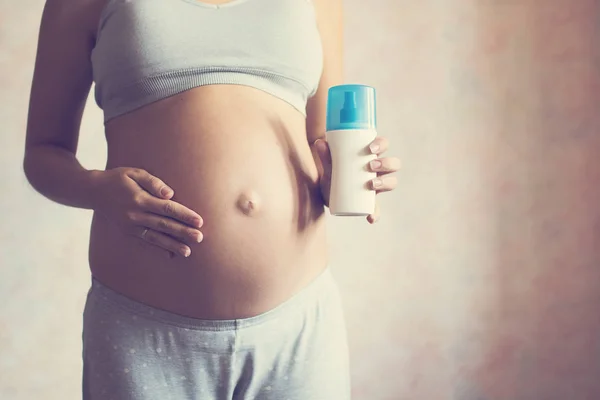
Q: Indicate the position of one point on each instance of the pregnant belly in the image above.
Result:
(216, 154)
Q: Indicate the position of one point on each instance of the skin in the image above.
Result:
(213, 217)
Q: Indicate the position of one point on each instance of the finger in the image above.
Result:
(171, 209)
(140, 232)
(324, 155)
(151, 184)
(376, 214)
(385, 165)
(171, 227)
(166, 242)
(384, 183)
(379, 145)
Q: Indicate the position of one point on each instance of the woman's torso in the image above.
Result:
(212, 145)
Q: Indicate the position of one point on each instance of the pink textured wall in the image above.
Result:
(481, 282)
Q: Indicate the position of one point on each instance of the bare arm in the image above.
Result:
(135, 200)
(61, 83)
(330, 21)
(330, 24)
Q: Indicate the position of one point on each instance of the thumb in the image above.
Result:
(324, 155)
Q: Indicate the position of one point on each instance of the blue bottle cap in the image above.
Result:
(351, 107)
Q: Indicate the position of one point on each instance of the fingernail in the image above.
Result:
(197, 236)
(377, 183)
(165, 191)
(196, 222)
(185, 251)
(375, 164)
(374, 148)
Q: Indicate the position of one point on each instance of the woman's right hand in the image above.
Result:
(141, 205)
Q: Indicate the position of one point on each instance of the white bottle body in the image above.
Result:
(351, 194)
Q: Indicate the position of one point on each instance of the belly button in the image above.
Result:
(249, 203)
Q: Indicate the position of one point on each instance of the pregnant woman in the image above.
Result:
(208, 246)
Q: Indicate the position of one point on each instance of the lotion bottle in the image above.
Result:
(351, 127)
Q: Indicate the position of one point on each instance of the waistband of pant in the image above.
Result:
(321, 285)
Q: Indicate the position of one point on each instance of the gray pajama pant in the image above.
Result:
(297, 351)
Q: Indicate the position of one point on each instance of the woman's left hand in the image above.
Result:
(385, 167)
